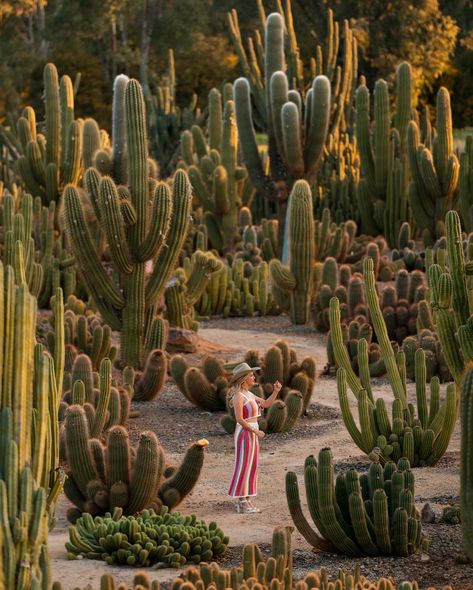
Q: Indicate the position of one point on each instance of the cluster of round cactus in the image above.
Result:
(204, 387)
(162, 539)
(297, 378)
(103, 477)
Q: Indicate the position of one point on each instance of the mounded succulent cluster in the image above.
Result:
(157, 539)
(338, 281)
(206, 386)
(407, 251)
(85, 333)
(399, 304)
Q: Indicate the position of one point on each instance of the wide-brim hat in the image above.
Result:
(241, 370)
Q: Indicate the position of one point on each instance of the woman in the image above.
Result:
(247, 409)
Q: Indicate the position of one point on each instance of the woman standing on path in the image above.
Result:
(247, 407)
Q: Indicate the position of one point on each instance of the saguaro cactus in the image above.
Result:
(297, 278)
(49, 160)
(135, 231)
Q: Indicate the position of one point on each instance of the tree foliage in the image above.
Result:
(102, 39)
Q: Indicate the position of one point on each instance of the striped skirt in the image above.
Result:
(245, 473)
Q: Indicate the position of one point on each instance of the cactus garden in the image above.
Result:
(236, 296)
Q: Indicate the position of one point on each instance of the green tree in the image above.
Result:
(391, 32)
(460, 79)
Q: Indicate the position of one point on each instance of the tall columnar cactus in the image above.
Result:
(374, 514)
(166, 120)
(297, 122)
(105, 405)
(29, 234)
(382, 193)
(466, 460)
(465, 185)
(297, 279)
(49, 160)
(451, 300)
(259, 58)
(136, 231)
(422, 439)
(239, 290)
(29, 455)
(434, 172)
(221, 185)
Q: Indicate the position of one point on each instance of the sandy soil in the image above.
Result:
(177, 423)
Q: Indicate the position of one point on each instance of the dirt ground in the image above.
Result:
(177, 423)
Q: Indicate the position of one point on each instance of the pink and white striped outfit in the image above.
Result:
(245, 473)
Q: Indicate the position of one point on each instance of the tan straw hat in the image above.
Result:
(242, 369)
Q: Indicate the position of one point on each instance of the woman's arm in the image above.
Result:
(267, 403)
(238, 403)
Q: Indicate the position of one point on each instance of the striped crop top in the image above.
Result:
(251, 407)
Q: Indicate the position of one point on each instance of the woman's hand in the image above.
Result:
(277, 387)
(259, 433)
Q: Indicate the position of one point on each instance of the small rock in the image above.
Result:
(180, 340)
(427, 514)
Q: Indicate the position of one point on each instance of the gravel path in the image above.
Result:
(177, 423)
